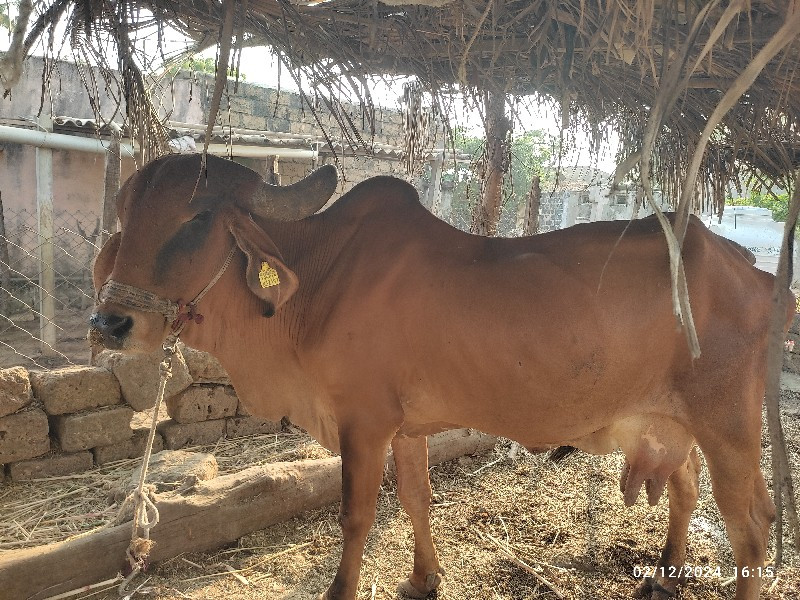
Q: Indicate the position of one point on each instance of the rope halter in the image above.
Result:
(176, 313)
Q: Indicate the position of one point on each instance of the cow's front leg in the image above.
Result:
(414, 492)
(363, 457)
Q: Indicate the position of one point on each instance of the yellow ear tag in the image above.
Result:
(268, 276)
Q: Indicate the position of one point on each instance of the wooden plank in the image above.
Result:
(216, 513)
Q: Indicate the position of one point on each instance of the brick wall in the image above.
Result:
(67, 420)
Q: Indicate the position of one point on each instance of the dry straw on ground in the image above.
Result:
(507, 529)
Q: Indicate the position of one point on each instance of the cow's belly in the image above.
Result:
(536, 408)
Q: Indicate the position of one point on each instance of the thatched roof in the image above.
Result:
(655, 70)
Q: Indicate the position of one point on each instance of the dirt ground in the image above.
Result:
(491, 514)
(20, 342)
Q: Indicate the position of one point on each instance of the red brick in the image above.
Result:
(242, 426)
(55, 465)
(178, 435)
(204, 402)
(15, 390)
(131, 448)
(139, 376)
(73, 389)
(203, 367)
(24, 435)
(103, 427)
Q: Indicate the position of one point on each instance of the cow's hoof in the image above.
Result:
(432, 581)
(650, 589)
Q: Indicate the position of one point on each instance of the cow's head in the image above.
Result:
(179, 225)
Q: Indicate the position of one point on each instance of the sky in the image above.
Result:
(261, 67)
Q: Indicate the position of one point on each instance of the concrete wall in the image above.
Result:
(78, 177)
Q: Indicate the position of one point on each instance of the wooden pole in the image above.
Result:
(433, 198)
(486, 214)
(44, 212)
(216, 513)
(7, 301)
(111, 181)
(534, 200)
(272, 173)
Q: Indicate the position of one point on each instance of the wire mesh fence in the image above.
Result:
(74, 244)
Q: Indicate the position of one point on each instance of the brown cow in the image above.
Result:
(388, 325)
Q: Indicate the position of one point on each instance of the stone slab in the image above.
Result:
(179, 435)
(15, 390)
(242, 426)
(103, 427)
(132, 448)
(139, 376)
(73, 389)
(55, 465)
(24, 435)
(203, 402)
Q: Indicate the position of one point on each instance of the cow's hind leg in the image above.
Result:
(743, 499)
(363, 456)
(683, 489)
(414, 492)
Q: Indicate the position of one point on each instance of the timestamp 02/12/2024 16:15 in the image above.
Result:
(701, 571)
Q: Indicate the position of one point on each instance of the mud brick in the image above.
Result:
(203, 402)
(138, 376)
(131, 448)
(55, 465)
(178, 435)
(15, 390)
(242, 426)
(86, 430)
(203, 367)
(24, 435)
(73, 389)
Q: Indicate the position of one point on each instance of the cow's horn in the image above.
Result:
(298, 200)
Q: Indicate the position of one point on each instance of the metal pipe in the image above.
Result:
(58, 141)
(260, 151)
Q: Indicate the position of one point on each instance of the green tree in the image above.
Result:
(5, 20)
(530, 155)
(778, 204)
(204, 65)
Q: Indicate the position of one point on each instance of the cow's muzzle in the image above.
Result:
(109, 330)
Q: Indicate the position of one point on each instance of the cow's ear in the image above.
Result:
(104, 263)
(267, 275)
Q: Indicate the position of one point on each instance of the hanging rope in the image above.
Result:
(145, 512)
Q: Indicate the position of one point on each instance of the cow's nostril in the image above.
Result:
(113, 326)
(120, 326)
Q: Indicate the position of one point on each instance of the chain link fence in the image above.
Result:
(75, 244)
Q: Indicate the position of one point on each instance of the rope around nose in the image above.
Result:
(176, 313)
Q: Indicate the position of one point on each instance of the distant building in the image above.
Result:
(583, 194)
